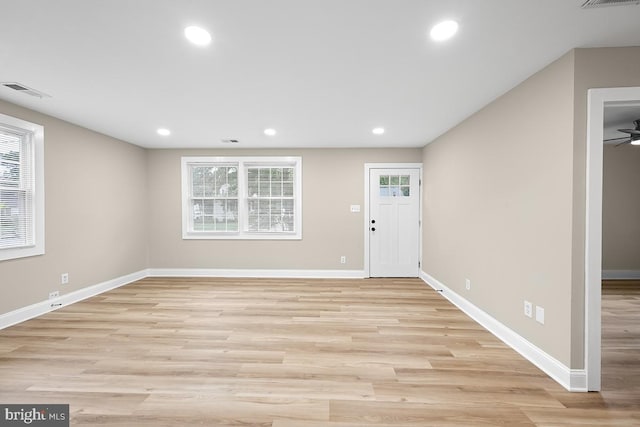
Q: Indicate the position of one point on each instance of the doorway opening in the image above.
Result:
(598, 100)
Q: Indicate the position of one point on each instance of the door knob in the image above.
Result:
(373, 229)
(373, 221)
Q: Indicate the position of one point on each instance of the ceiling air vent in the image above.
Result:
(600, 3)
(25, 89)
(229, 141)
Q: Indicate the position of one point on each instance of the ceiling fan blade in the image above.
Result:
(623, 142)
(630, 131)
(615, 139)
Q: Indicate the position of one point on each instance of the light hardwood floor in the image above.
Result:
(300, 353)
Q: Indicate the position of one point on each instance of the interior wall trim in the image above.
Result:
(621, 274)
(43, 307)
(256, 273)
(571, 379)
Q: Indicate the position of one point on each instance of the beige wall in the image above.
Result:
(505, 199)
(333, 179)
(497, 207)
(621, 208)
(95, 213)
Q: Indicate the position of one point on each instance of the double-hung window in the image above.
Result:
(21, 188)
(241, 197)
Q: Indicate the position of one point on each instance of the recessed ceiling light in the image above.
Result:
(444, 30)
(270, 132)
(164, 132)
(378, 131)
(198, 36)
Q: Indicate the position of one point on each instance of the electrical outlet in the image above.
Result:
(64, 278)
(54, 294)
(467, 284)
(343, 259)
(528, 309)
(540, 315)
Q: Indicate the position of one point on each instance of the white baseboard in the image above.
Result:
(571, 379)
(249, 273)
(621, 274)
(43, 307)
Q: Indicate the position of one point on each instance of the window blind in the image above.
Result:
(16, 189)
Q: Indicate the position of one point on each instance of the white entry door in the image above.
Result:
(394, 222)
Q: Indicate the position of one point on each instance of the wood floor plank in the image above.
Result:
(424, 414)
(302, 353)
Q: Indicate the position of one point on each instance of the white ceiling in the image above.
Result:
(323, 73)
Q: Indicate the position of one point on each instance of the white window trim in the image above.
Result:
(243, 162)
(37, 134)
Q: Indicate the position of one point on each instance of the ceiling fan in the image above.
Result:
(633, 138)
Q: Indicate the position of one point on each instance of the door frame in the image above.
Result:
(367, 202)
(597, 99)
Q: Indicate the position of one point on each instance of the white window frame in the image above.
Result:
(34, 136)
(242, 163)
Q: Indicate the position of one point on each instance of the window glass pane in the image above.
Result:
(209, 181)
(288, 214)
(207, 207)
(225, 215)
(253, 182)
(265, 174)
(231, 215)
(214, 206)
(404, 179)
(287, 189)
(276, 189)
(232, 176)
(264, 189)
(197, 181)
(384, 191)
(264, 206)
(406, 190)
(9, 174)
(276, 174)
(288, 174)
(395, 179)
(12, 218)
(197, 213)
(384, 180)
(10, 156)
(276, 207)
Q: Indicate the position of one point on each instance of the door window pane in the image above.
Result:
(395, 186)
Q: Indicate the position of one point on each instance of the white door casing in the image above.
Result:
(597, 100)
(393, 221)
